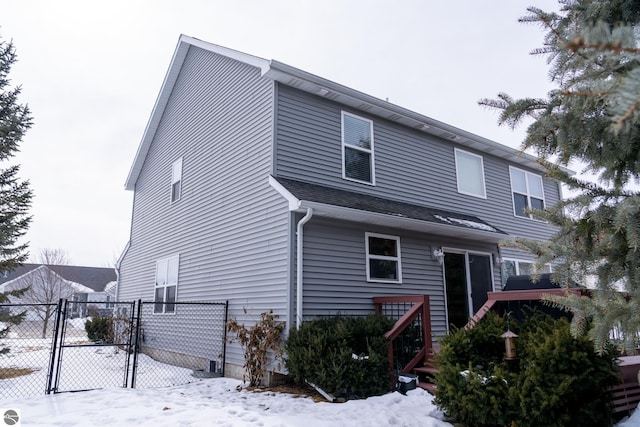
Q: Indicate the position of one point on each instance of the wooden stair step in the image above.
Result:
(430, 387)
(426, 370)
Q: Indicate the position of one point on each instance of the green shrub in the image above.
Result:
(562, 381)
(481, 397)
(344, 356)
(557, 380)
(100, 329)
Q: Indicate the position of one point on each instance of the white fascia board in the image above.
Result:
(404, 223)
(255, 61)
(294, 203)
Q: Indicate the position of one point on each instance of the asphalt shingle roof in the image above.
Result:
(349, 199)
(95, 278)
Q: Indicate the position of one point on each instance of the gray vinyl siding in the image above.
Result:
(230, 228)
(335, 279)
(410, 166)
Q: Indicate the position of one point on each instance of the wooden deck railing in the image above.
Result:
(523, 295)
(410, 338)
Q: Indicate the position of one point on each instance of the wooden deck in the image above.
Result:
(626, 395)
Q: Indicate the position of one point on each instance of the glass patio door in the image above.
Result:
(468, 278)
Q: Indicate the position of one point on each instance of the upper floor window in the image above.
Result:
(357, 149)
(176, 180)
(527, 191)
(470, 174)
(383, 258)
(166, 285)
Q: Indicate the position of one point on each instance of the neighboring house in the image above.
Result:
(79, 285)
(267, 186)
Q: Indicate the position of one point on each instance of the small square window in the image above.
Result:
(357, 149)
(383, 258)
(470, 174)
(176, 180)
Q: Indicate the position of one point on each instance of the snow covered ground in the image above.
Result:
(203, 402)
(219, 402)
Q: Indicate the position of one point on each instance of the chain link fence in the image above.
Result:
(88, 345)
(180, 346)
(25, 348)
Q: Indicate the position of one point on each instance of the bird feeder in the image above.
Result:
(509, 344)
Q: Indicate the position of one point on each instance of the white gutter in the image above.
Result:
(299, 269)
(117, 268)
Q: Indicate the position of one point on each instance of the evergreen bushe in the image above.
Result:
(344, 356)
(557, 381)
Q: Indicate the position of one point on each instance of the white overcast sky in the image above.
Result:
(91, 70)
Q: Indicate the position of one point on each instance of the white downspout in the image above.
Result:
(299, 261)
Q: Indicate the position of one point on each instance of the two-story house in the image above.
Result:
(270, 187)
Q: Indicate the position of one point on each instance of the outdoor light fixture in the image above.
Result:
(438, 255)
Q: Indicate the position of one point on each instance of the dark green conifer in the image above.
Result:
(15, 194)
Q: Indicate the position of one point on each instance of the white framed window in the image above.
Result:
(383, 258)
(517, 267)
(470, 174)
(527, 190)
(357, 149)
(166, 286)
(176, 180)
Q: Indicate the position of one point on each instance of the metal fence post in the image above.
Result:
(136, 343)
(54, 347)
(129, 343)
(224, 337)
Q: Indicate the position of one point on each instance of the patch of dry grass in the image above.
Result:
(296, 390)
(6, 373)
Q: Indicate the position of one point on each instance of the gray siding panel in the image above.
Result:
(335, 278)
(229, 227)
(410, 166)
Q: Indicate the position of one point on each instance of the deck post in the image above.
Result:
(426, 327)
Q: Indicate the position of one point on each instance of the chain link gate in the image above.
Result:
(104, 360)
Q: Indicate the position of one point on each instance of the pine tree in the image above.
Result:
(591, 117)
(15, 194)
(9, 318)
